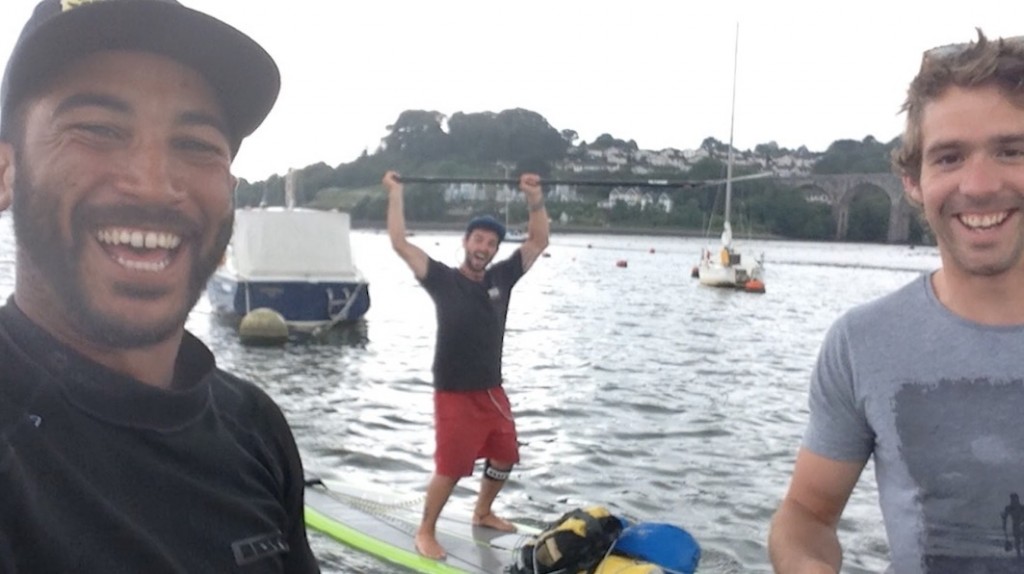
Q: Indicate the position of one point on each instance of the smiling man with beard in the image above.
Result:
(472, 414)
(123, 448)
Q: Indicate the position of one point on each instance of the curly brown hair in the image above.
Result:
(979, 63)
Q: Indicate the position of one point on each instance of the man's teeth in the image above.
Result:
(983, 221)
(138, 238)
(144, 265)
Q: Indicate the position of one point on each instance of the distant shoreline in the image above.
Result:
(415, 226)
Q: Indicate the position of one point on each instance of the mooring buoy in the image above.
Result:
(263, 327)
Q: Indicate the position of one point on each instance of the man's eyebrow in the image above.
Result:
(1010, 139)
(204, 119)
(944, 146)
(91, 99)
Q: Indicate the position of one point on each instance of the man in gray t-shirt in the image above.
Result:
(929, 380)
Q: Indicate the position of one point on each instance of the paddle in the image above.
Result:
(664, 183)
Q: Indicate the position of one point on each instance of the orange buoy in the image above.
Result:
(621, 263)
(754, 286)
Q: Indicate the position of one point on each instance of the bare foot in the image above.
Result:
(491, 520)
(428, 546)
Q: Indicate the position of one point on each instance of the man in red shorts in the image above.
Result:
(472, 416)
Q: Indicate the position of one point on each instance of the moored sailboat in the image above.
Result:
(728, 267)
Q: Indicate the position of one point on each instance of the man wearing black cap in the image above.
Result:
(472, 415)
(123, 448)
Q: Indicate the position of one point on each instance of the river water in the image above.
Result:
(634, 387)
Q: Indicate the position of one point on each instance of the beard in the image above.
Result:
(38, 236)
(475, 264)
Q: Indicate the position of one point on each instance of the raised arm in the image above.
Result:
(803, 538)
(537, 228)
(413, 256)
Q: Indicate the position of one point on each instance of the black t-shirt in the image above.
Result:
(470, 323)
(102, 473)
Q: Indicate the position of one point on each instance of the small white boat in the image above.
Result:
(514, 235)
(296, 261)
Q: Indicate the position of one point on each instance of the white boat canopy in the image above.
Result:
(292, 244)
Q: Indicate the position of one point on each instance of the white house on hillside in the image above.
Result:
(633, 197)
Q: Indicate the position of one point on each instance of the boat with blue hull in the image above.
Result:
(295, 261)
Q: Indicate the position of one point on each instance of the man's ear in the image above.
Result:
(6, 175)
(913, 191)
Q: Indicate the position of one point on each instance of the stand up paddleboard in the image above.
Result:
(384, 525)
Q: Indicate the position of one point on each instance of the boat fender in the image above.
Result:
(263, 327)
(495, 473)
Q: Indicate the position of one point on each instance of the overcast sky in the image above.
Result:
(655, 71)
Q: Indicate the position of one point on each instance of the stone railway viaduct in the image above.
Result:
(839, 190)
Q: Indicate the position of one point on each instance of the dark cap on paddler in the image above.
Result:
(243, 75)
(486, 222)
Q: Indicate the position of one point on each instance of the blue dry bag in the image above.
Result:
(666, 545)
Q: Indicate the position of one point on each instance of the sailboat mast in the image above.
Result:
(732, 121)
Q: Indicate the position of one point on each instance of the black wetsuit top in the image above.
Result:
(102, 473)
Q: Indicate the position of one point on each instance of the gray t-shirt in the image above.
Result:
(939, 402)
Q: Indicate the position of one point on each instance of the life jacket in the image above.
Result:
(575, 543)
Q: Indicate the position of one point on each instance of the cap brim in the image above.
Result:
(241, 72)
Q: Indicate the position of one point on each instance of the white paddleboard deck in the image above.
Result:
(384, 525)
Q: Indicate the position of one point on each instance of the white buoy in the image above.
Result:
(263, 327)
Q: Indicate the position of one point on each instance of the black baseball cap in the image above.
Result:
(243, 75)
(486, 222)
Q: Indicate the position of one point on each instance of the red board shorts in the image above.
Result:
(469, 425)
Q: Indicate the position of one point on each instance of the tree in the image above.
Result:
(477, 137)
(787, 213)
(418, 134)
(707, 168)
(713, 146)
(852, 156)
(531, 136)
(314, 178)
(606, 141)
(510, 136)
(869, 216)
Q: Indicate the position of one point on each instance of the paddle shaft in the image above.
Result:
(664, 183)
